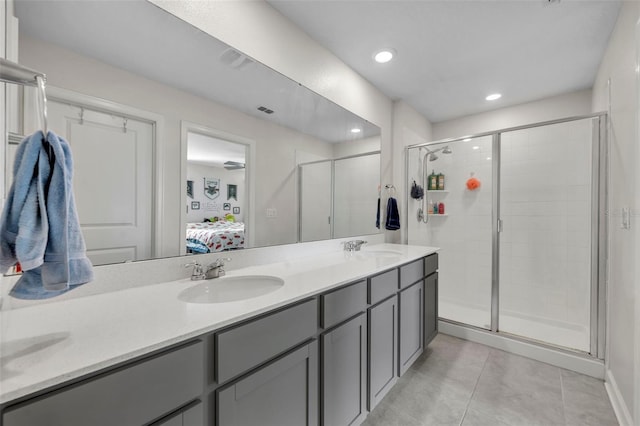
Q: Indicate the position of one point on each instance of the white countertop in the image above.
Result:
(48, 344)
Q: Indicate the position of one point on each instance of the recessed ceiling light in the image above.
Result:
(493, 97)
(476, 147)
(384, 55)
(466, 140)
(488, 158)
(356, 130)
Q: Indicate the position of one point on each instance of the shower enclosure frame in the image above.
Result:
(299, 182)
(599, 226)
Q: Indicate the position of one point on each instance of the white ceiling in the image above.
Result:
(452, 54)
(212, 151)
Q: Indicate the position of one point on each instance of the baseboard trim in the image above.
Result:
(567, 360)
(619, 406)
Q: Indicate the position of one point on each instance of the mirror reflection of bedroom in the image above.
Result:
(216, 194)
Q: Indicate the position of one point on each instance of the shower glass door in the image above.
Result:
(464, 231)
(546, 212)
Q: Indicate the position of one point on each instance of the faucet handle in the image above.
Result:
(220, 262)
(197, 270)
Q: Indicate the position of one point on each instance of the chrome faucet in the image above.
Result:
(213, 270)
(353, 245)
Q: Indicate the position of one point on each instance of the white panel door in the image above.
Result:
(112, 180)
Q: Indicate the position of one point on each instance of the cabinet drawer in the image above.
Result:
(382, 286)
(248, 345)
(430, 264)
(411, 272)
(343, 303)
(131, 396)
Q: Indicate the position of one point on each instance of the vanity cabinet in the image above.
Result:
(132, 395)
(284, 392)
(383, 349)
(411, 325)
(343, 348)
(344, 373)
(430, 298)
(249, 344)
(192, 416)
(327, 359)
(430, 307)
(411, 311)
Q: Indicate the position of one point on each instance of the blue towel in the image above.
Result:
(393, 217)
(40, 227)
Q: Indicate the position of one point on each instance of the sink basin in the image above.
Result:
(230, 289)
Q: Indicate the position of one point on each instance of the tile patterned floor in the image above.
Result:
(457, 382)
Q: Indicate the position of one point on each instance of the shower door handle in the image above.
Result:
(500, 225)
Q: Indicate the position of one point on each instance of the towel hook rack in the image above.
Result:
(391, 190)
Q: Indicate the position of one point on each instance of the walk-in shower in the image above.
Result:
(521, 232)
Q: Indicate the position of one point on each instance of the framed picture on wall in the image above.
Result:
(212, 188)
(236, 210)
(195, 205)
(232, 192)
(190, 188)
(226, 206)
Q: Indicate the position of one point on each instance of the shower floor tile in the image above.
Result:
(457, 382)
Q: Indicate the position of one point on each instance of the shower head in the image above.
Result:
(432, 154)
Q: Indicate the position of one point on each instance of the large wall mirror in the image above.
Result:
(181, 143)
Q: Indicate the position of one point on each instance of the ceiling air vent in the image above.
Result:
(265, 110)
(233, 165)
(235, 59)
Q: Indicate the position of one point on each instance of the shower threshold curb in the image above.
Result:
(579, 363)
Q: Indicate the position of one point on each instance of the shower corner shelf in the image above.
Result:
(438, 191)
(438, 214)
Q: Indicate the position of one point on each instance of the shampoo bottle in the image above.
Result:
(433, 181)
(435, 208)
(441, 208)
(441, 182)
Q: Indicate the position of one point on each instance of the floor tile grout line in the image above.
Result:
(466, 409)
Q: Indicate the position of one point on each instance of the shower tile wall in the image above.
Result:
(545, 246)
(464, 234)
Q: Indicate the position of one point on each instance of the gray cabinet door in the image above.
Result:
(430, 308)
(411, 325)
(282, 393)
(344, 373)
(383, 349)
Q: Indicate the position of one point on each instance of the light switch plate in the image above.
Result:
(626, 218)
(271, 212)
